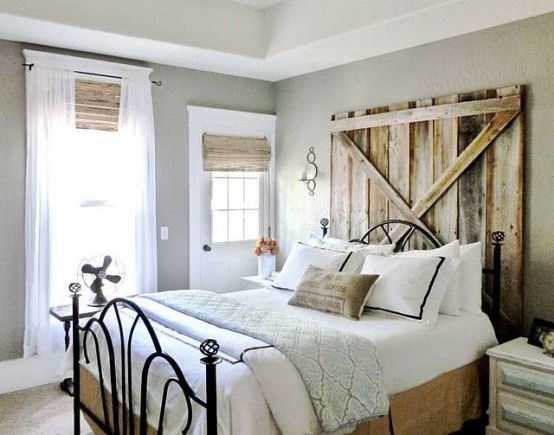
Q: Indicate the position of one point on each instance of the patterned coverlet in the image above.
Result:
(341, 371)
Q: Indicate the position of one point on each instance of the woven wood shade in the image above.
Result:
(232, 153)
(97, 105)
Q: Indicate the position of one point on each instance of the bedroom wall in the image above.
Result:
(518, 53)
(180, 88)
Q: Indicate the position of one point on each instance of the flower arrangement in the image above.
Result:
(266, 246)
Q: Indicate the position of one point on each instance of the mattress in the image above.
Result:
(410, 355)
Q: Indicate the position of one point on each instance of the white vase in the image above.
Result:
(266, 265)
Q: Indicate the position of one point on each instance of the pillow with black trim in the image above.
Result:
(301, 256)
(452, 302)
(410, 287)
(334, 292)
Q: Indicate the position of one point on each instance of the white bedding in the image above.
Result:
(452, 343)
(274, 400)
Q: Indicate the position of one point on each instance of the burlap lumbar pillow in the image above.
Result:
(335, 292)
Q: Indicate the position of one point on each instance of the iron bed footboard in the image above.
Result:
(116, 422)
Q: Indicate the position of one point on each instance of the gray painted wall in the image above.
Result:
(519, 53)
(181, 87)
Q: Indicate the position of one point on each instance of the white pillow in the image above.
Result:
(452, 301)
(410, 287)
(300, 257)
(359, 254)
(345, 245)
(472, 277)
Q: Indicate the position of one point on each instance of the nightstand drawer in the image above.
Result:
(523, 416)
(524, 379)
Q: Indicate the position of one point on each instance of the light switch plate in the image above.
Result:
(164, 233)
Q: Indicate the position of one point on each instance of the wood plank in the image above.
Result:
(359, 206)
(341, 164)
(505, 213)
(399, 161)
(421, 168)
(428, 113)
(378, 156)
(373, 173)
(471, 184)
(445, 153)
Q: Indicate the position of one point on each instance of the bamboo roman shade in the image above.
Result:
(233, 153)
(97, 105)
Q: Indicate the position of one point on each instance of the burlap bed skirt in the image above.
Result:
(440, 406)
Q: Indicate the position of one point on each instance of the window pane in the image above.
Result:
(236, 225)
(251, 224)
(219, 226)
(236, 193)
(235, 174)
(251, 193)
(219, 194)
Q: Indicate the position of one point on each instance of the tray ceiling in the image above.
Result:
(272, 41)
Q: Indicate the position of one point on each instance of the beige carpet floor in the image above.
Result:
(38, 411)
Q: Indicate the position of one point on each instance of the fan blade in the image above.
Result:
(107, 262)
(113, 278)
(96, 285)
(89, 268)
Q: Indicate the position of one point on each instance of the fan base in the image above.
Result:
(98, 300)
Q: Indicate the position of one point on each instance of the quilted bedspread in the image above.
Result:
(341, 371)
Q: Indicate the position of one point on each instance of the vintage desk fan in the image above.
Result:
(103, 276)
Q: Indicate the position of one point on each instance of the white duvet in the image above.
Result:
(264, 394)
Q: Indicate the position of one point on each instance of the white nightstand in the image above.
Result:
(265, 282)
(521, 389)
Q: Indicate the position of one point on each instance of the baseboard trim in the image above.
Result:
(23, 373)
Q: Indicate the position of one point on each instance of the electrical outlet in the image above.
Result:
(164, 233)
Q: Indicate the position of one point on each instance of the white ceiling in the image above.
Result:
(269, 42)
(262, 4)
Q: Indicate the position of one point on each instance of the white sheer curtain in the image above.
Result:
(50, 122)
(136, 125)
(50, 134)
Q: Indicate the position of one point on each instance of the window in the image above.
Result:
(235, 205)
(239, 189)
(92, 208)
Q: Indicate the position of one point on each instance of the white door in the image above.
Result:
(228, 211)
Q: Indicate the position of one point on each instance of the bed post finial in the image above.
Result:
(75, 288)
(209, 348)
(497, 237)
(324, 224)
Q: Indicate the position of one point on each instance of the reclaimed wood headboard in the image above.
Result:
(453, 165)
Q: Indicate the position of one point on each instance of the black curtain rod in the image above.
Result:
(31, 65)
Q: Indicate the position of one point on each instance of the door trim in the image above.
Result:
(220, 121)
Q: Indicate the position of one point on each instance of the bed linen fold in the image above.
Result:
(341, 371)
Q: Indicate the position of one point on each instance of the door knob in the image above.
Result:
(207, 248)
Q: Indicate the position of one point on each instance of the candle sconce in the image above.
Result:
(309, 173)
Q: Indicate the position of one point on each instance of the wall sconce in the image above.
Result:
(309, 173)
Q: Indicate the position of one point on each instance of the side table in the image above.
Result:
(266, 282)
(521, 389)
(64, 313)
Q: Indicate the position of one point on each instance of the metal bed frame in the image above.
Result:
(123, 423)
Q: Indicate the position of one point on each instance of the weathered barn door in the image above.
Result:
(451, 164)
